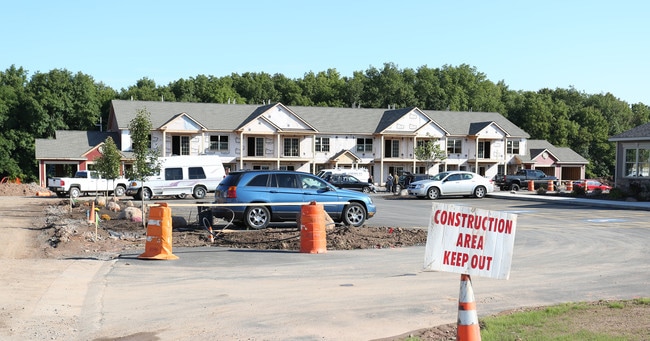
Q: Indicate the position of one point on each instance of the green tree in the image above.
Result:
(108, 164)
(429, 152)
(146, 161)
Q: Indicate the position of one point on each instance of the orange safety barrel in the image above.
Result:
(569, 186)
(313, 238)
(531, 185)
(159, 233)
(550, 186)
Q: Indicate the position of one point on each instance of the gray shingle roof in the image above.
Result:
(563, 154)
(641, 132)
(71, 144)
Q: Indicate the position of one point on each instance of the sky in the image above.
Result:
(596, 47)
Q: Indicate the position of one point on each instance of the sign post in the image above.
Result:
(470, 241)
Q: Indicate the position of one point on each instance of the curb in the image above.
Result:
(627, 205)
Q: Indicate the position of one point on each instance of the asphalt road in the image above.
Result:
(562, 253)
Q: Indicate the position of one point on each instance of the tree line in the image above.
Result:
(37, 106)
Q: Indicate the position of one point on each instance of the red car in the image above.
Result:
(592, 185)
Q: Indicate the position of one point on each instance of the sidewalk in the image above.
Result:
(533, 196)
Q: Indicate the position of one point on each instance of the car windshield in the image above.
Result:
(440, 176)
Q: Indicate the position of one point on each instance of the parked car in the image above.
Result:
(407, 178)
(592, 185)
(276, 186)
(451, 183)
(350, 182)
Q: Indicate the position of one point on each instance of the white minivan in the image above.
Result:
(181, 176)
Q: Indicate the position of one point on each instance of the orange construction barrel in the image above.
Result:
(550, 186)
(531, 185)
(159, 233)
(313, 238)
(569, 186)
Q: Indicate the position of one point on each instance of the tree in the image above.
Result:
(146, 161)
(429, 152)
(108, 164)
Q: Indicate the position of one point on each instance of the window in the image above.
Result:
(173, 174)
(484, 150)
(291, 147)
(364, 145)
(322, 144)
(454, 146)
(391, 148)
(259, 181)
(513, 147)
(637, 162)
(196, 173)
(219, 142)
(180, 145)
(255, 146)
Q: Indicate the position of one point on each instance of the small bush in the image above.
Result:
(616, 194)
(541, 190)
(579, 191)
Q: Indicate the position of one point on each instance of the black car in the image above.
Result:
(406, 178)
(350, 182)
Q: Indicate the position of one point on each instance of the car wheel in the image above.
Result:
(514, 187)
(479, 192)
(181, 196)
(366, 189)
(433, 193)
(74, 192)
(354, 215)
(146, 194)
(257, 217)
(199, 192)
(119, 191)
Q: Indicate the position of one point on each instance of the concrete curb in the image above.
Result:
(524, 195)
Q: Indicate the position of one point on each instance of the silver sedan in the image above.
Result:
(451, 183)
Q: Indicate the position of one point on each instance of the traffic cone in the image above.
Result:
(211, 237)
(91, 215)
(468, 328)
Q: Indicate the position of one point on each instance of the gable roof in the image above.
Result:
(459, 123)
(639, 133)
(561, 154)
(72, 144)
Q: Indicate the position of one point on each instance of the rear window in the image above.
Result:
(196, 173)
(231, 179)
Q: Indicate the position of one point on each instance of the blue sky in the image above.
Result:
(594, 46)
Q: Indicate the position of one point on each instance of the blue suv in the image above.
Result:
(274, 187)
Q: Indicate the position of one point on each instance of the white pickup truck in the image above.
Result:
(85, 182)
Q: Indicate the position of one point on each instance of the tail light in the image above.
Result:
(62, 183)
(232, 192)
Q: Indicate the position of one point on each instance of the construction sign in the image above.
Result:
(470, 241)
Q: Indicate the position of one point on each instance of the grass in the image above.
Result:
(600, 320)
(569, 321)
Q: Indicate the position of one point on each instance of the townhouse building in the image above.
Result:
(308, 139)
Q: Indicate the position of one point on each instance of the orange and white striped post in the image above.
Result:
(467, 328)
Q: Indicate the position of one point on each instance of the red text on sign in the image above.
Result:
(469, 241)
(460, 259)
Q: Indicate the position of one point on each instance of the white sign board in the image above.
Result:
(470, 241)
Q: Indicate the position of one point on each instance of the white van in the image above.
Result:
(181, 176)
(359, 173)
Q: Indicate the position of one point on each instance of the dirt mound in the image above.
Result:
(17, 190)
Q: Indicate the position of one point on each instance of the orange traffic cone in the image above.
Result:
(468, 328)
(211, 237)
(91, 215)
